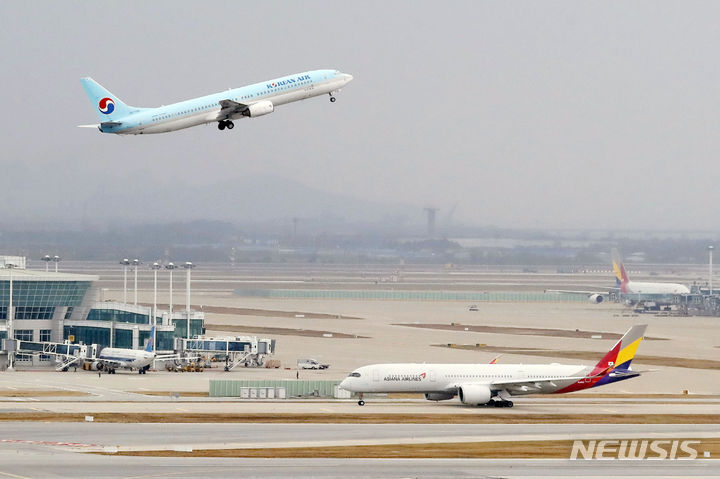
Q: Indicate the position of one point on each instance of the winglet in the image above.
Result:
(495, 359)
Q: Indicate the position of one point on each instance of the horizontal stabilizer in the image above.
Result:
(89, 126)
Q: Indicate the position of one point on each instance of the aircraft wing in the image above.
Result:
(526, 386)
(229, 108)
(567, 291)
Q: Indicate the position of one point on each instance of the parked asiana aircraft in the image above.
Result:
(634, 292)
(494, 384)
(224, 107)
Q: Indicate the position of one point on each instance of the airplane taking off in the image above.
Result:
(249, 101)
(481, 384)
(634, 291)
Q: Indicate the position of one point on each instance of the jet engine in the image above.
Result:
(596, 298)
(259, 109)
(474, 394)
(438, 396)
(97, 366)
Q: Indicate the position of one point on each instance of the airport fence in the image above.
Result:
(292, 388)
(385, 295)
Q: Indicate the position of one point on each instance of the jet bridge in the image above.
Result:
(246, 350)
(68, 353)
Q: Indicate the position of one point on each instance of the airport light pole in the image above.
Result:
(47, 258)
(155, 267)
(710, 251)
(56, 259)
(125, 263)
(188, 267)
(136, 262)
(9, 321)
(170, 267)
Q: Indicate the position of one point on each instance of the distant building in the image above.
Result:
(55, 307)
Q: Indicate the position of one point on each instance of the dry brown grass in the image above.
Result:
(41, 393)
(557, 333)
(482, 417)
(262, 312)
(278, 331)
(475, 450)
(197, 394)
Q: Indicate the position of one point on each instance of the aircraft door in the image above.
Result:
(432, 376)
(376, 375)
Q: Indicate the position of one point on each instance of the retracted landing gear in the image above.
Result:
(332, 98)
(222, 124)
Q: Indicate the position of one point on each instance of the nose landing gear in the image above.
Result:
(332, 98)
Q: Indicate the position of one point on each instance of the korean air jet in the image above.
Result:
(494, 384)
(221, 108)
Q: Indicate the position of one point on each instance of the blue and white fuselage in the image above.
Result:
(222, 108)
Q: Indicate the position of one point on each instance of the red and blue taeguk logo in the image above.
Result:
(106, 105)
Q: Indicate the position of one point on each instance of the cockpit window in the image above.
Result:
(336, 72)
(354, 375)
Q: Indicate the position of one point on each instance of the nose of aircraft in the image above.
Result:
(345, 384)
(348, 78)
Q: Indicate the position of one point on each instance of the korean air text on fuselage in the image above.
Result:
(222, 108)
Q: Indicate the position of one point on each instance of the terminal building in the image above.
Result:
(57, 307)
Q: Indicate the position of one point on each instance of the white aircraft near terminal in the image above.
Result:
(110, 359)
(138, 360)
(494, 384)
(634, 291)
(221, 108)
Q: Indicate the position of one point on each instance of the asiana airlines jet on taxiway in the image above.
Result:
(221, 108)
(494, 384)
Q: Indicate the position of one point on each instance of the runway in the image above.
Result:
(561, 406)
(80, 466)
(95, 436)
(55, 450)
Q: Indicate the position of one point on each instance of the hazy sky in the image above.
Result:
(525, 114)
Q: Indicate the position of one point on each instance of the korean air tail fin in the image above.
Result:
(108, 106)
(150, 344)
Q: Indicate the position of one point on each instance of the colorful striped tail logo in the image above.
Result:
(617, 359)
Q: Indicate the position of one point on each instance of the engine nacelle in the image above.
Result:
(438, 396)
(259, 109)
(474, 394)
(596, 298)
(97, 366)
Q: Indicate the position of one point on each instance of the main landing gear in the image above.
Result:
(501, 403)
(222, 124)
(332, 98)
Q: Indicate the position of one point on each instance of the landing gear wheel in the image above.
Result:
(227, 369)
(361, 403)
(332, 99)
(230, 125)
(498, 403)
(509, 404)
(221, 125)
